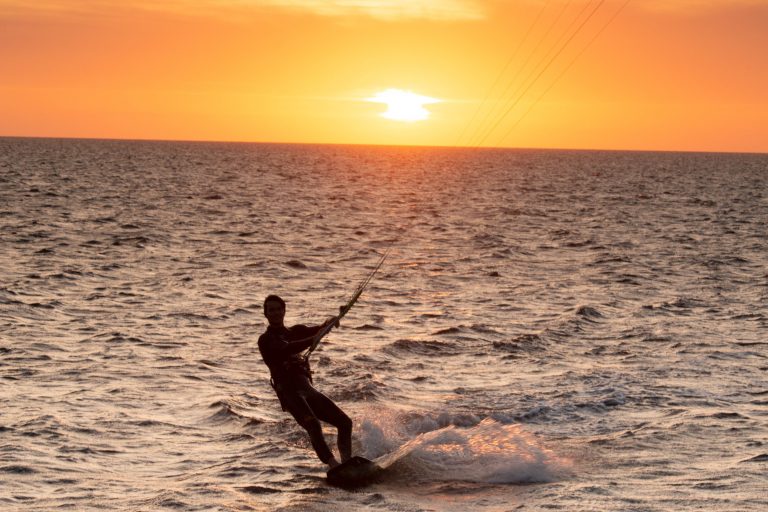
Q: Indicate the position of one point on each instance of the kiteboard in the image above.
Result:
(355, 472)
(359, 471)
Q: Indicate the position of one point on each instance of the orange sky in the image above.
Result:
(664, 75)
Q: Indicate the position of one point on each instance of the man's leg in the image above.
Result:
(315, 431)
(304, 416)
(324, 409)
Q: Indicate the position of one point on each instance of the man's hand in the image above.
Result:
(332, 320)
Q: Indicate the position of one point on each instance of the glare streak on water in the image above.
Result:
(554, 329)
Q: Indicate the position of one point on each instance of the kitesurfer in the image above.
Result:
(291, 379)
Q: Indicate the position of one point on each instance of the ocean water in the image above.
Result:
(553, 330)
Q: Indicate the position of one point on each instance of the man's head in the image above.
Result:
(274, 310)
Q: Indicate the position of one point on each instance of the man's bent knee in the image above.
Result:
(345, 425)
(310, 424)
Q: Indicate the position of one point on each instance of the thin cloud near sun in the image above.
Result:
(384, 10)
(389, 9)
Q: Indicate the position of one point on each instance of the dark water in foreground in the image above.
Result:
(554, 330)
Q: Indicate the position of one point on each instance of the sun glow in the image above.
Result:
(404, 105)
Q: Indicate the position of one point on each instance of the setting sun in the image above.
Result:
(404, 105)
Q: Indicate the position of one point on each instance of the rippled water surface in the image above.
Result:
(553, 330)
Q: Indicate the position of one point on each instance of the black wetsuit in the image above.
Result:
(292, 380)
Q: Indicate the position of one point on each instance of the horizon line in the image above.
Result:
(361, 144)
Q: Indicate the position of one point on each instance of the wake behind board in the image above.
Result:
(355, 472)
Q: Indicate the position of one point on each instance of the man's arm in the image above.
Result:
(314, 331)
(302, 337)
(275, 350)
(299, 345)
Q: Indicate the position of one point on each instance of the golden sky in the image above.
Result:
(611, 74)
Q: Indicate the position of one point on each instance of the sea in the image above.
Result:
(552, 330)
